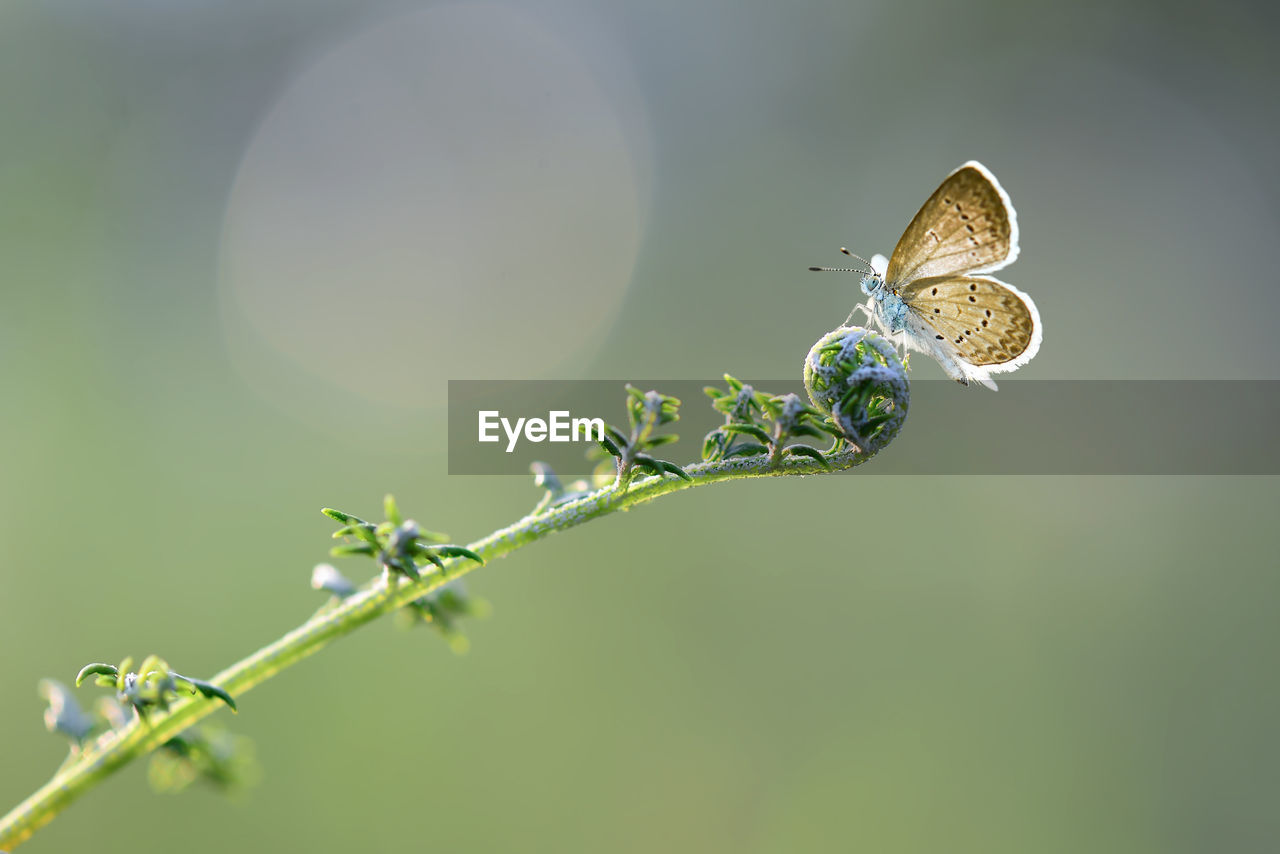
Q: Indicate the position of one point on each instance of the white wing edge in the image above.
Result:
(1014, 249)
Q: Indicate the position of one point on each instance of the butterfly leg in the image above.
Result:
(899, 342)
(859, 307)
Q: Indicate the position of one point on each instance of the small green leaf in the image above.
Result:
(747, 449)
(855, 398)
(806, 429)
(88, 670)
(391, 511)
(352, 549)
(365, 532)
(749, 430)
(461, 551)
(211, 691)
(432, 537)
(807, 451)
(672, 468)
(877, 421)
(344, 518)
(152, 664)
(649, 463)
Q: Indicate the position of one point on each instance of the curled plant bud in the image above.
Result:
(646, 411)
(744, 432)
(399, 545)
(855, 377)
(152, 686)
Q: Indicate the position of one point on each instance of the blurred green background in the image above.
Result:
(243, 247)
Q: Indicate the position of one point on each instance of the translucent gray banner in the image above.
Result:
(1028, 427)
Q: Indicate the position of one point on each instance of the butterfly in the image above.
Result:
(933, 296)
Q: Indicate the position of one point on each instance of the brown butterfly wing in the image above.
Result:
(985, 321)
(968, 225)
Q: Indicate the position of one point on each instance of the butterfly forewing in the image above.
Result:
(967, 226)
(985, 321)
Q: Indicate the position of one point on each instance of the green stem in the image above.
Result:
(116, 749)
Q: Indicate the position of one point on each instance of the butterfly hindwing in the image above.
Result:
(984, 321)
(968, 225)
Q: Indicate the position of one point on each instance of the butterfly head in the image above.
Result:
(889, 307)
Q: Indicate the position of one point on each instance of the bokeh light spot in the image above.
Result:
(451, 193)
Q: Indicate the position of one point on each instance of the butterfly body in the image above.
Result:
(885, 305)
(933, 295)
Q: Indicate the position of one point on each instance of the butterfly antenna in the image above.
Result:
(869, 269)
